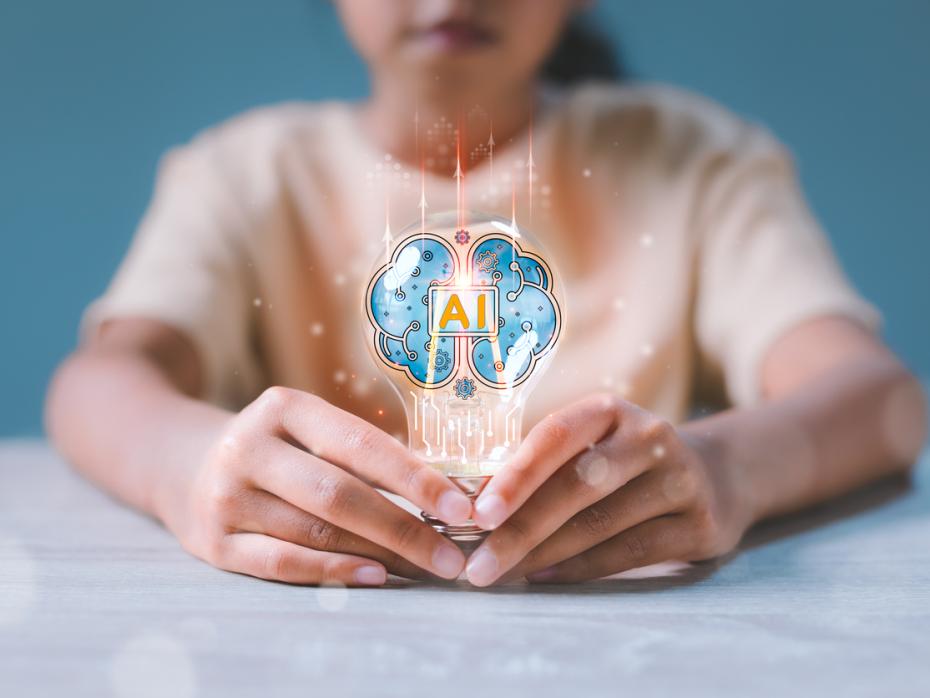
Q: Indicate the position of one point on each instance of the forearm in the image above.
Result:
(119, 419)
(851, 425)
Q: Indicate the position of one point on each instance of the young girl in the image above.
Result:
(222, 385)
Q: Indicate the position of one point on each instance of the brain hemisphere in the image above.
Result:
(397, 306)
(529, 316)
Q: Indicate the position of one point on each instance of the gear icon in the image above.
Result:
(442, 360)
(464, 388)
(486, 261)
(462, 236)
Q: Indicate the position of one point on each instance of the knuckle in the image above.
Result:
(556, 428)
(406, 533)
(517, 530)
(680, 486)
(706, 526)
(223, 498)
(333, 495)
(275, 562)
(416, 479)
(324, 536)
(362, 438)
(595, 521)
(611, 403)
(635, 548)
(273, 402)
(658, 432)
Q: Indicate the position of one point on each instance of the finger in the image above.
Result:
(580, 483)
(552, 442)
(332, 494)
(646, 497)
(656, 540)
(270, 515)
(361, 448)
(271, 558)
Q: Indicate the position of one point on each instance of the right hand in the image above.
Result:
(283, 494)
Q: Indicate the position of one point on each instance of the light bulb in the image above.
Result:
(463, 320)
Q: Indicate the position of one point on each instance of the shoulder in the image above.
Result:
(251, 156)
(265, 134)
(655, 122)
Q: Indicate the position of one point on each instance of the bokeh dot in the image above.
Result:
(153, 665)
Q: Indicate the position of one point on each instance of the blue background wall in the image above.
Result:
(92, 92)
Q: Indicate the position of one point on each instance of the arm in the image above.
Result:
(277, 491)
(602, 486)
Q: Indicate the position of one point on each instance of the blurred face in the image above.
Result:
(466, 45)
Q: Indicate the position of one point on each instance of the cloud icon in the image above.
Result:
(492, 306)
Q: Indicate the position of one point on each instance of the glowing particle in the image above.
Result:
(257, 302)
(658, 451)
(647, 349)
(619, 303)
(586, 172)
(646, 240)
(316, 329)
(340, 376)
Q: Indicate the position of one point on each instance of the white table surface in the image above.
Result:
(97, 600)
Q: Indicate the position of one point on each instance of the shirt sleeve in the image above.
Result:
(764, 264)
(186, 267)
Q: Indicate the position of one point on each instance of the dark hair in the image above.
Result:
(583, 53)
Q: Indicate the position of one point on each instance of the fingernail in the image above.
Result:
(490, 511)
(454, 507)
(482, 567)
(371, 575)
(543, 575)
(448, 560)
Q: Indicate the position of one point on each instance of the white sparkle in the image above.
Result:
(586, 172)
(339, 279)
(340, 376)
(647, 350)
(592, 469)
(316, 329)
(646, 240)
(658, 451)
(257, 302)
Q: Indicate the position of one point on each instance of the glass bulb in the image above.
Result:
(463, 320)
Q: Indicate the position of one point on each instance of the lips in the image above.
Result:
(456, 35)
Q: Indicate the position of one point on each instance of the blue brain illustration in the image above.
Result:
(529, 317)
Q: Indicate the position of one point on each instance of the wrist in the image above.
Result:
(189, 449)
(730, 473)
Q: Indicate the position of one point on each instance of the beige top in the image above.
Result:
(683, 242)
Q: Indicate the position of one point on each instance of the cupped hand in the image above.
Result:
(287, 493)
(601, 487)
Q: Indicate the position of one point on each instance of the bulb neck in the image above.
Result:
(468, 437)
(467, 536)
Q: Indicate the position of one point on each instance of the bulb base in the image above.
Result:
(468, 536)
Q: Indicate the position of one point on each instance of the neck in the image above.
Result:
(397, 117)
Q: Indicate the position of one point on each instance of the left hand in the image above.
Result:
(601, 487)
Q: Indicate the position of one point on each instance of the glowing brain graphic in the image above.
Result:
(438, 302)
